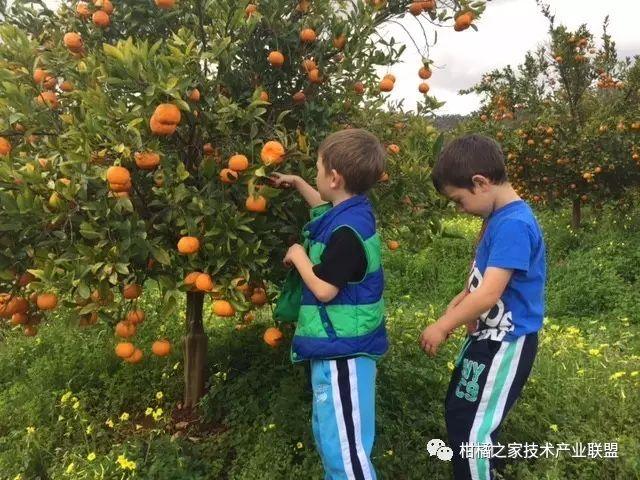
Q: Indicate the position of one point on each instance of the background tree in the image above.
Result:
(567, 119)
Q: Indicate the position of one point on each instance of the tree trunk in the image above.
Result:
(576, 216)
(195, 352)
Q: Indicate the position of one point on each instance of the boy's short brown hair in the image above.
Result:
(465, 157)
(357, 155)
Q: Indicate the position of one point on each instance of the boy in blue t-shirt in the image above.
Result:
(502, 304)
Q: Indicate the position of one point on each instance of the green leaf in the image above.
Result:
(88, 232)
(112, 51)
(160, 255)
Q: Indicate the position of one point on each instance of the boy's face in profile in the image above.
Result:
(477, 202)
(324, 181)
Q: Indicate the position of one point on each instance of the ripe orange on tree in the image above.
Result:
(272, 336)
(188, 245)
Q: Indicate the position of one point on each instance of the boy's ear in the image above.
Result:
(336, 179)
(480, 181)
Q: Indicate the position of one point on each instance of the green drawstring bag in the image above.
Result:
(290, 299)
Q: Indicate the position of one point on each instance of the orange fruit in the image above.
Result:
(415, 8)
(135, 316)
(264, 96)
(104, 5)
(5, 146)
(204, 282)
(19, 318)
(30, 330)
(39, 75)
(124, 349)
(66, 86)
(358, 87)
(131, 291)
(137, 355)
(47, 301)
(222, 308)
(165, 4)
(250, 10)
(425, 73)
(118, 175)
(125, 329)
(25, 279)
(272, 153)
(309, 64)
(158, 128)
(165, 119)
(161, 348)
(73, 41)
(207, 149)
(428, 4)
(308, 35)
(238, 162)
(463, 21)
(386, 85)
(423, 87)
(340, 41)
(276, 59)
(228, 176)
(82, 9)
(241, 285)
(190, 279)
(188, 245)
(390, 76)
(393, 148)
(393, 245)
(259, 297)
(314, 76)
(299, 97)
(49, 99)
(272, 336)
(256, 204)
(101, 19)
(167, 113)
(194, 95)
(147, 160)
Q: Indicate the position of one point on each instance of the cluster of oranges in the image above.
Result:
(26, 311)
(101, 15)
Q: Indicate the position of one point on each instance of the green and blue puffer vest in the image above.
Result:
(353, 322)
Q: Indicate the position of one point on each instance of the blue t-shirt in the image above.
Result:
(512, 240)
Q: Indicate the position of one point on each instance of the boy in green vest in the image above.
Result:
(340, 328)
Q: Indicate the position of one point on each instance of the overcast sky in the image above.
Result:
(507, 30)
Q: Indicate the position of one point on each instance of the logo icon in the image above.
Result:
(437, 447)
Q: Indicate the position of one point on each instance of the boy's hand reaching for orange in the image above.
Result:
(281, 180)
(432, 337)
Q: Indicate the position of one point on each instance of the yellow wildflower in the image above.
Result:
(299, 445)
(148, 411)
(65, 397)
(70, 467)
(76, 405)
(126, 464)
(617, 375)
(91, 457)
(109, 423)
(594, 352)
(124, 417)
(159, 396)
(554, 427)
(157, 415)
(31, 430)
(450, 365)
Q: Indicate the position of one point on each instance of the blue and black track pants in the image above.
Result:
(487, 380)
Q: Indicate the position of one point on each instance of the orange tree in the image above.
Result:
(136, 139)
(567, 119)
